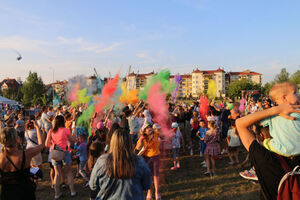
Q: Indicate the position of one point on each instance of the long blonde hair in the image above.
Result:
(8, 138)
(120, 163)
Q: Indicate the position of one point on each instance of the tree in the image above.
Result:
(12, 93)
(283, 76)
(235, 88)
(267, 87)
(33, 90)
(295, 78)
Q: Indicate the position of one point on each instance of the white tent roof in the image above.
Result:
(7, 101)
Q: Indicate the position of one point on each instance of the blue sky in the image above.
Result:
(71, 37)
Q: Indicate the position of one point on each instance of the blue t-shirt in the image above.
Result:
(202, 132)
(285, 134)
(82, 152)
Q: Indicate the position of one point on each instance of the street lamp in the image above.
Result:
(52, 83)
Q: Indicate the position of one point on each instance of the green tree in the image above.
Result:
(12, 93)
(266, 88)
(295, 78)
(33, 90)
(234, 89)
(283, 76)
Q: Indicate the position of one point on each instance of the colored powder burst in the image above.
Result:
(73, 93)
(116, 97)
(203, 109)
(162, 77)
(84, 119)
(242, 105)
(177, 80)
(157, 105)
(82, 98)
(129, 97)
(230, 106)
(107, 94)
(212, 90)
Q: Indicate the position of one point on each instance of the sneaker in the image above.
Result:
(58, 196)
(206, 173)
(73, 194)
(249, 174)
(86, 184)
(201, 154)
(191, 152)
(63, 185)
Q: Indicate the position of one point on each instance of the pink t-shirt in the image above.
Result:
(59, 138)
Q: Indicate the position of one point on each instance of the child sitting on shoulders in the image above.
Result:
(285, 133)
(175, 145)
(234, 143)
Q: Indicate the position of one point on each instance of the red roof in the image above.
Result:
(11, 83)
(141, 75)
(208, 71)
(186, 76)
(244, 73)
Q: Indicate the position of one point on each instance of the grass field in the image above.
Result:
(188, 182)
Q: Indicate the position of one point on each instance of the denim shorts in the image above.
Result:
(66, 161)
(175, 152)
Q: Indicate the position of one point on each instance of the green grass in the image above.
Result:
(188, 182)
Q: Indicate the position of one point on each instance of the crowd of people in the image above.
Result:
(118, 153)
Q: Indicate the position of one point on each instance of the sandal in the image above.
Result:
(157, 197)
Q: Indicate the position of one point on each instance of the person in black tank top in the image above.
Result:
(15, 166)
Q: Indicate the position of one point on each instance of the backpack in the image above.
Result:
(289, 186)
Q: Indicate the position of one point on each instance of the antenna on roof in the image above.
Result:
(95, 72)
(129, 69)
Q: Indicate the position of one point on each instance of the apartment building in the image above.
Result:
(200, 80)
(137, 81)
(247, 74)
(185, 87)
(194, 84)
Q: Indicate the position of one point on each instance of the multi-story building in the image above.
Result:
(60, 87)
(137, 81)
(200, 80)
(197, 82)
(185, 87)
(247, 74)
(9, 83)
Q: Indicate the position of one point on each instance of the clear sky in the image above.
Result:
(70, 37)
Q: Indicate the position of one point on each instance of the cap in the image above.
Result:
(156, 126)
(174, 125)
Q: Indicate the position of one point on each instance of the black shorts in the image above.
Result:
(194, 134)
(50, 164)
(268, 168)
(233, 149)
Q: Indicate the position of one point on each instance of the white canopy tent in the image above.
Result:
(8, 101)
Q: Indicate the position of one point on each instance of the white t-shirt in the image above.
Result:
(234, 139)
(31, 138)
